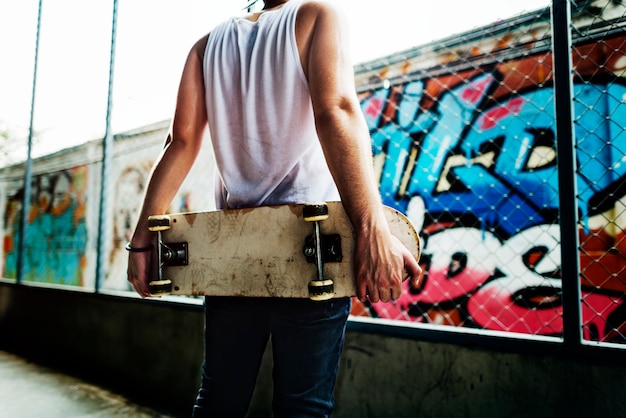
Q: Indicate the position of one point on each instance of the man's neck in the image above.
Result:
(270, 4)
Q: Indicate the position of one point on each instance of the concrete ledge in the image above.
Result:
(152, 351)
(149, 349)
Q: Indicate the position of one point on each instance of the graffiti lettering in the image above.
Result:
(485, 172)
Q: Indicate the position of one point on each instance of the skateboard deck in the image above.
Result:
(289, 251)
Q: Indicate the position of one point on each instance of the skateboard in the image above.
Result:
(288, 251)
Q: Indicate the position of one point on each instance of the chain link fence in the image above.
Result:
(464, 142)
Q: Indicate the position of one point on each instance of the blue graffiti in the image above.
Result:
(492, 163)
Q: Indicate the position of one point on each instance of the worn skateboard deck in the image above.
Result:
(267, 251)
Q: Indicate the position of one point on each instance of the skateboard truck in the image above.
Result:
(319, 288)
(170, 254)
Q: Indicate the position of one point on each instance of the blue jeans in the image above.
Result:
(307, 339)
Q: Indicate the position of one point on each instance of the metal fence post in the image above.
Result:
(107, 146)
(566, 157)
(28, 164)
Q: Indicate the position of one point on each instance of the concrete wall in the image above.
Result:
(151, 350)
(62, 234)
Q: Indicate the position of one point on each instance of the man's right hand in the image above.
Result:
(382, 263)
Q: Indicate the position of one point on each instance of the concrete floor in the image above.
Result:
(28, 390)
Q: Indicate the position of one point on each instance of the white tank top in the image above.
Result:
(260, 115)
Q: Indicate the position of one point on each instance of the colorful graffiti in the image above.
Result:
(56, 237)
(471, 158)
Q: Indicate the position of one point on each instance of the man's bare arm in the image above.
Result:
(173, 165)
(380, 259)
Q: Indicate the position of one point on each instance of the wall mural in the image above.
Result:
(471, 158)
(56, 238)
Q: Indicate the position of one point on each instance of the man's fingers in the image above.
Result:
(140, 287)
(373, 296)
(361, 291)
(413, 269)
(396, 292)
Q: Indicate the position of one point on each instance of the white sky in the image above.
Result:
(153, 38)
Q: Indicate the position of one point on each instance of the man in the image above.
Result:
(276, 90)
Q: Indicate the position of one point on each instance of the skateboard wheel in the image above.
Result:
(313, 212)
(160, 287)
(159, 223)
(321, 290)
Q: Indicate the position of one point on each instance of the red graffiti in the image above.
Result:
(374, 107)
(491, 118)
(475, 91)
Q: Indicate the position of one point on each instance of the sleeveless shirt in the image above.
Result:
(260, 115)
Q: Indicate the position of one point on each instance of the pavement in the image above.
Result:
(28, 390)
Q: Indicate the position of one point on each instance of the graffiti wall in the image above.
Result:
(62, 230)
(464, 142)
(56, 241)
(471, 157)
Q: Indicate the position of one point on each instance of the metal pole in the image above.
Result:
(107, 147)
(566, 143)
(28, 165)
(251, 4)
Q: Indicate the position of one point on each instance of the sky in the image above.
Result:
(152, 41)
